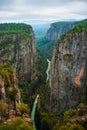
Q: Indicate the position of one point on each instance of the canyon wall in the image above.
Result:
(17, 46)
(57, 29)
(68, 73)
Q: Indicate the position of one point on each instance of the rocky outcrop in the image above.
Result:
(68, 73)
(18, 47)
(57, 29)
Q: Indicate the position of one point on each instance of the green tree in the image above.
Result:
(23, 108)
(69, 126)
(67, 115)
(3, 108)
(17, 124)
(81, 105)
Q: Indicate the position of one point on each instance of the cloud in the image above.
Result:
(25, 10)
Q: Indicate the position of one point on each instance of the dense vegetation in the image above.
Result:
(6, 72)
(17, 124)
(13, 28)
(80, 27)
(57, 25)
(73, 119)
(45, 46)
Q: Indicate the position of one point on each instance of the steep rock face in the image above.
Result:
(57, 29)
(9, 91)
(68, 74)
(18, 49)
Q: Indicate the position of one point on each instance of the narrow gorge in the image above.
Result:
(43, 91)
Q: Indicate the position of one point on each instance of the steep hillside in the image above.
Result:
(68, 74)
(17, 45)
(46, 44)
(9, 91)
(12, 109)
(57, 29)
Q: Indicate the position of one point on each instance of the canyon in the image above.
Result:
(59, 80)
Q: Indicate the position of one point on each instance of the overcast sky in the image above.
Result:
(44, 10)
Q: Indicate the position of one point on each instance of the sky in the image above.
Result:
(42, 10)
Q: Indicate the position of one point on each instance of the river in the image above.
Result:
(36, 99)
(33, 111)
(48, 70)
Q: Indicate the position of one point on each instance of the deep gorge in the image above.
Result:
(63, 92)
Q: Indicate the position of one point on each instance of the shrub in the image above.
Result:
(76, 127)
(81, 105)
(23, 108)
(3, 108)
(67, 115)
(58, 124)
(17, 124)
(13, 94)
(48, 120)
(69, 126)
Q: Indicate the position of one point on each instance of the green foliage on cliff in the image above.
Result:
(81, 106)
(73, 119)
(79, 27)
(23, 108)
(6, 72)
(13, 93)
(67, 115)
(48, 120)
(45, 46)
(6, 42)
(3, 108)
(17, 124)
(58, 25)
(70, 126)
(13, 28)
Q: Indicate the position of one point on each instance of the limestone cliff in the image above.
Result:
(17, 45)
(68, 73)
(57, 29)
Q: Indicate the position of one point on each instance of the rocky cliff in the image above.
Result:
(57, 29)
(9, 91)
(68, 73)
(17, 45)
(12, 109)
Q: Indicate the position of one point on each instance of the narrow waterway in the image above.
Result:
(33, 111)
(48, 70)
